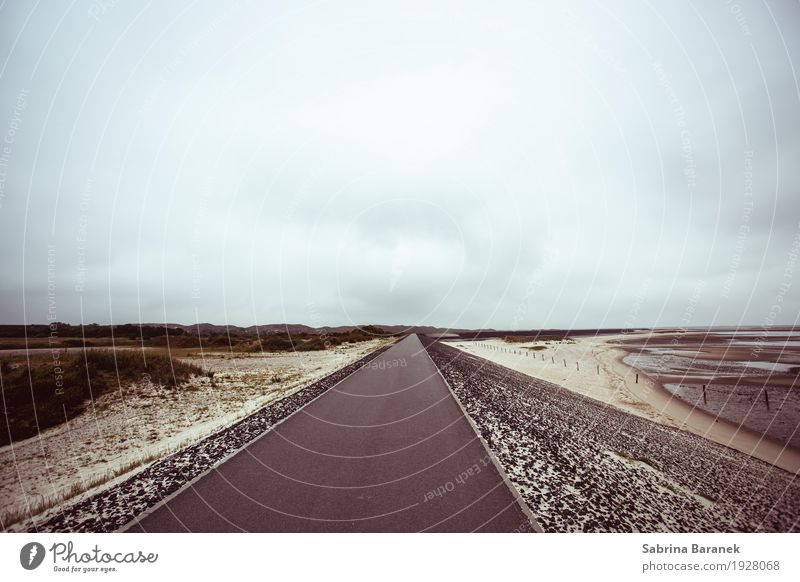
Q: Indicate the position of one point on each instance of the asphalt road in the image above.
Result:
(388, 449)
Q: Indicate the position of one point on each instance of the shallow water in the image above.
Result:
(778, 343)
(757, 333)
(740, 403)
(747, 405)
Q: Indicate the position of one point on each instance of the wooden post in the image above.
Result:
(637, 378)
(598, 369)
(705, 398)
(766, 397)
(577, 367)
(552, 359)
(565, 363)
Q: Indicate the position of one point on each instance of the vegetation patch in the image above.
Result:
(308, 342)
(521, 339)
(39, 393)
(247, 340)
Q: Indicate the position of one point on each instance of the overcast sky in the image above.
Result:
(460, 164)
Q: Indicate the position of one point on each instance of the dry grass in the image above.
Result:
(39, 504)
(47, 391)
(522, 339)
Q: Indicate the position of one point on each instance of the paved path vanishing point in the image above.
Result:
(388, 449)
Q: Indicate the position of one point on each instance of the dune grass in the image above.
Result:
(521, 339)
(44, 392)
(35, 505)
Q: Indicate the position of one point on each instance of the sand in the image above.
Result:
(616, 385)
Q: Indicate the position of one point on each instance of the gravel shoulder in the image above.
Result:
(584, 465)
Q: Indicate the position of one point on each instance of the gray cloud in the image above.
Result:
(439, 163)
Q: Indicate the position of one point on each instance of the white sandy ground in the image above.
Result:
(126, 429)
(616, 385)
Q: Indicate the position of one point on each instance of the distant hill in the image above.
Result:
(135, 330)
(295, 328)
(148, 330)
